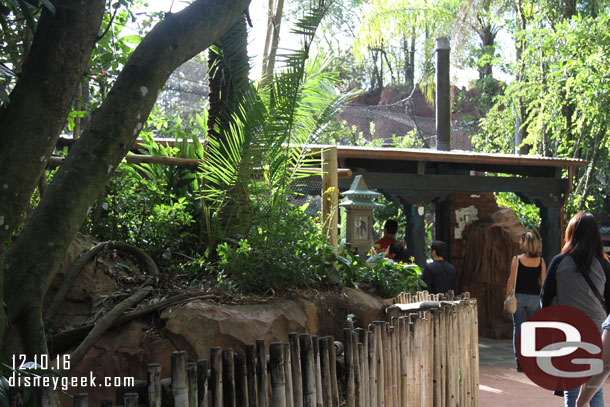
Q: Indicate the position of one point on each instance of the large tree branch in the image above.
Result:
(41, 101)
(111, 132)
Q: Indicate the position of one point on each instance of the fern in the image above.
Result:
(255, 164)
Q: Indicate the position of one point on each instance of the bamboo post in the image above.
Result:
(372, 356)
(308, 368)
(475, 351)
(436, 359)
(215, 383)
(295, 361)
(404, 354)
(393, 360)
(416, 360)
(228, 378)
(130, 400)
(180, 389)
(387, 364)
(330, 195)
(241, 380)
(356, 364)
(154, 385)
(278, 380)
(379, 328)
(80, 400)
(252, 376)
(444, 355)
(261, 374)
(348, 351)
(191, 375)
(202, 383)
(396, 360)
(334, 387)
(325, 371)
(363, 337)
(318, 374)
(288, 374)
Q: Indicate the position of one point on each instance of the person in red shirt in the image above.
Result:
(389, 232)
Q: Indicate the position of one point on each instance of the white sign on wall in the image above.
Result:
(463, 217)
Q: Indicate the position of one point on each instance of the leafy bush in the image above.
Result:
(385, 277)
(528, 214)
(138, 211)
(279, 251)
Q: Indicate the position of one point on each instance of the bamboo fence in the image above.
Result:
(425, 355)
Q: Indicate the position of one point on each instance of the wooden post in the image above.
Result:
(437, 401)
(318, 375)
(228, 378)
(295, 359)
(191, 375)
(334, 387)
(154, 385)
(475, 351)
(80, 400)
(348, 351)
(330, 194)
(241, 380)
(130, 400)
(180, 391)
(325, 371)
(379, 328)
(387, 363)
(288, 374)
(308, 368)
(404, 354)
(252, 376)
(278, 380)
(202, 383)
(392, 360)
(356, 364)
(215, 383)
(364, 365)
(372, 361)
(261, 374)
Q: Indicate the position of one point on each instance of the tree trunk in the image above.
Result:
(40, 103)
(112, 130)
(229, 69)
(275, 38)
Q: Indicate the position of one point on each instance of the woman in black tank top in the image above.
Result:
(529, 269)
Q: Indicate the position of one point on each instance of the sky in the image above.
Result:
(256, 39)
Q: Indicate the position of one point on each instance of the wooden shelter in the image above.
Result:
(459, 185)
(419, 177)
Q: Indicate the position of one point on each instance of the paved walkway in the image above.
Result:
(501, 385)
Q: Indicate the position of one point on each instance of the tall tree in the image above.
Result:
(111, 132)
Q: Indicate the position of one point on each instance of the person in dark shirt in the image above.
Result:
(440, 276)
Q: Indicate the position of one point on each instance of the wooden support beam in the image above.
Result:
(412, 185)
(330, 195)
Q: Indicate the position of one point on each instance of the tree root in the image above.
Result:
(86, 257)
(62, 341)
(106, 322)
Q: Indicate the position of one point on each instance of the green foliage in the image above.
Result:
(139, 211)
(528, 214)
(564, 92)
(409, 140)
(385, 277)
(292, 253)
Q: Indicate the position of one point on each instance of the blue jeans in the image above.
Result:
(527, 305)
(570, 396)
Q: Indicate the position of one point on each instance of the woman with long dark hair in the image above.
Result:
(529, 270)
(577, 278)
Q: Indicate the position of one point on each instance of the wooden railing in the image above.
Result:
(427, 355)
